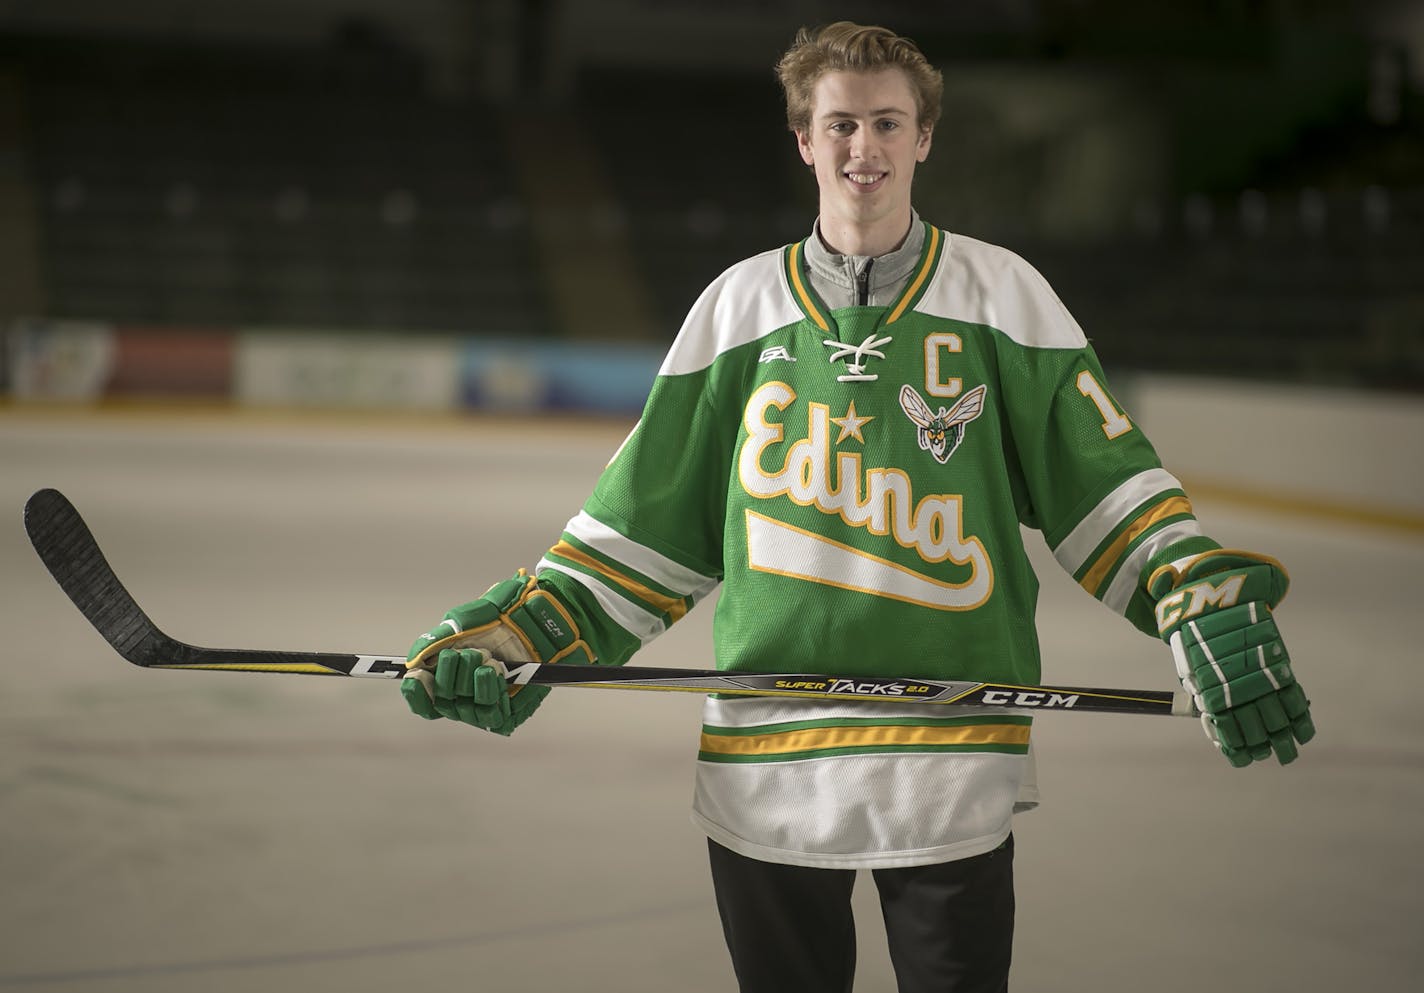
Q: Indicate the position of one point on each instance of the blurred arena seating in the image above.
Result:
(272, 187)
(329, 187)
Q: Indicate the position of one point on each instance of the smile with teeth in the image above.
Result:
(865, 178)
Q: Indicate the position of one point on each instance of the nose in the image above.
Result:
(862, 144)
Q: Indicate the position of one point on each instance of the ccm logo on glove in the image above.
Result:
(1203, 595)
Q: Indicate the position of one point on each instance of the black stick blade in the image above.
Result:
(72, 556)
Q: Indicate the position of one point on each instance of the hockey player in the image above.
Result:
(846, 436)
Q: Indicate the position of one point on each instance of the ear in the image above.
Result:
(922, 147)
(803, 145)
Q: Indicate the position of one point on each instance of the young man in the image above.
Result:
(846, 435)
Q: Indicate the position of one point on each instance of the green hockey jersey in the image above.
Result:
(855, 479)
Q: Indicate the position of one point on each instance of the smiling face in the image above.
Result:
(863, 142)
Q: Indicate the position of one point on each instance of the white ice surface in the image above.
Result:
(235, 832)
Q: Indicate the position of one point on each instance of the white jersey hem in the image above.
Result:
(855, 860)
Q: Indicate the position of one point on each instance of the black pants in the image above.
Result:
(790, 930)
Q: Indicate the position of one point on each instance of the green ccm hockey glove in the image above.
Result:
(1214, 610)
(456, 670)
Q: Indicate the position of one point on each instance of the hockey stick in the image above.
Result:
(72, 556)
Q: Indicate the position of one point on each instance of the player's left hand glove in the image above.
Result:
(1214, 610)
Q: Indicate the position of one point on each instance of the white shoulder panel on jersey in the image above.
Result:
(748, 301)
(984, 284)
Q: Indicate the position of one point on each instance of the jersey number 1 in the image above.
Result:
(1115, 422)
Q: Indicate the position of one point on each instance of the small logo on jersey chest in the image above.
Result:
(941, 433)
(776, 353)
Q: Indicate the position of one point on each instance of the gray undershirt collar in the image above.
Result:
(835, 277)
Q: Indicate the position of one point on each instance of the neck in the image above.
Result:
(871, 239)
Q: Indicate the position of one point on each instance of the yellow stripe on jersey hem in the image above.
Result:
(674, 607)
(781, 744)
(1171, 507)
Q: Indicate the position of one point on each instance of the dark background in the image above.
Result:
(1231, 188)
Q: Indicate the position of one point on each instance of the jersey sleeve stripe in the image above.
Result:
(658, 568)
(675, 607)
(1074, 551)
(1149, 520)
(1120, 588)
(582, 551)
(637, 621)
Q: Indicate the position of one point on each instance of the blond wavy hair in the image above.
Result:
(847, 46)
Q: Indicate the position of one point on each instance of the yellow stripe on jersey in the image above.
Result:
(1170, 507)
(779, 744)
(798, 286)
(674, 607)
(926, 265)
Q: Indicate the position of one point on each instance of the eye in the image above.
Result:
(887, 125)
(842, 127)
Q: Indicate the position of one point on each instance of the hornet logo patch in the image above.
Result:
(941, 433)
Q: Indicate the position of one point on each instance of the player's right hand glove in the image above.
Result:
(457, 669)
(1214, 610)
